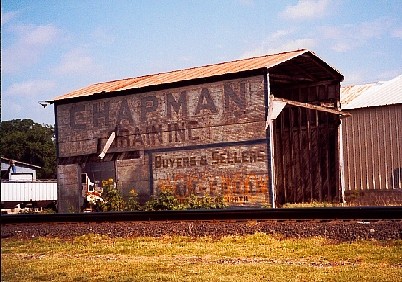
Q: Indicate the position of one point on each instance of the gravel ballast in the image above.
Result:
(334, 230)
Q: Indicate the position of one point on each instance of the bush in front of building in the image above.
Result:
(112, 198)
(132, 202)
(205, 202)
(164, 201)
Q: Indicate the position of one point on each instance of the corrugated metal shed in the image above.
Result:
(372, 136)
(22, 170)
(28, 191)
(224, 68)
(372, 95)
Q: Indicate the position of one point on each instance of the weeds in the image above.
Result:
(112, 200)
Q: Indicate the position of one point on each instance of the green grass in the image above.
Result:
(257, 257)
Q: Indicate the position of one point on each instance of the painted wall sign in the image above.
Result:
(238, 173)
(224, 111)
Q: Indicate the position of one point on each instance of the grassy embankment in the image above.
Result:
(254, 258)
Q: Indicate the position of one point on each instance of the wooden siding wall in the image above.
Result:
(372, 144)
(239, 173)
(200, 139)
(306, 148)
(224, 111)
(69, 194)
(134, 174)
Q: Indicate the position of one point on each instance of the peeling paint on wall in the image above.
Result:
(238, 173)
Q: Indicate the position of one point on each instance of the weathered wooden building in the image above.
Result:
(372, 141)
(203, 130)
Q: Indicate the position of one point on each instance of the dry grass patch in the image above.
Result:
(256, 257)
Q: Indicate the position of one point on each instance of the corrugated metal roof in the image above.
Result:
(7, 160)
(372, 95)
(351, 92)
(232, 67)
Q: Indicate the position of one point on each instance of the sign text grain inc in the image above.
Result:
(161, 118)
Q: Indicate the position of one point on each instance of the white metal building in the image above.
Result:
(21, 171)
(372, 136)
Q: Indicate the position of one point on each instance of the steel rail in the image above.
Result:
(335, 213)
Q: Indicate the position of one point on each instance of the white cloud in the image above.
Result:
(301, 43)
(348, 37)
(103, 36)
(343, 46)
(281, 33)
(11, 110)
(373, 29)
(76, 61)
(7, 17)
(30, 88)
(397, 33)
(18, 108)
(30, 45)
(363, 76)
(306, 9)
(246, 2)
(389, 74)
(280, 41)
(41, 35)
(355, 77)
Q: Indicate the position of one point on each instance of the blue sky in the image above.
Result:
(49, 48)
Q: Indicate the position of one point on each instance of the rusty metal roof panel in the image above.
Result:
(378, 94)
(351, 92)
(238, 66)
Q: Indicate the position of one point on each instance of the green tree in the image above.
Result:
(26, 141)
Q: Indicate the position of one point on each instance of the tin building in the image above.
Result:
(372, 142)
(204, 130)
(19, 186)
(14, 170)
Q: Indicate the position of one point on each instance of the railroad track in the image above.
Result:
(334, 213)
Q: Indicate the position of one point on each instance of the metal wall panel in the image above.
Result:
(28, 191)
(372, 141)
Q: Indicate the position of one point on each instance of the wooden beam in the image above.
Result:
(289, 78)
(313, 107)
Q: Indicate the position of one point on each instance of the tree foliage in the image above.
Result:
(26, 141)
